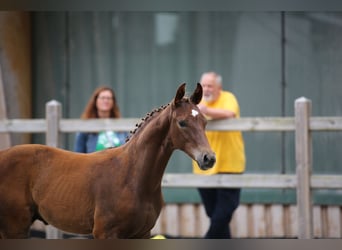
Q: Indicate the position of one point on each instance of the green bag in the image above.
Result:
(107, 139)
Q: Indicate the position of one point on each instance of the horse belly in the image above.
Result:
(66, 206)
(70, 219)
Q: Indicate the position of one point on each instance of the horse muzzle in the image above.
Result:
(206, 161)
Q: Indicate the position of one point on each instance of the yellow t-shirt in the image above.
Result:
(227, 145)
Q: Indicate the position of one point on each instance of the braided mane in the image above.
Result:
(148, 117)
(145, 119)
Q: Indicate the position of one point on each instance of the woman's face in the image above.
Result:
(104, 101)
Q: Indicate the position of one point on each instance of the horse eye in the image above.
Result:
(182, 123)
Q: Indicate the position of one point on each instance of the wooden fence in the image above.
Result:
(302, 124)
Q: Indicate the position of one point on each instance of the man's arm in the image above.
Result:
(215, 113)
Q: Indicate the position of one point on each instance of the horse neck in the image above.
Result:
(152, 149)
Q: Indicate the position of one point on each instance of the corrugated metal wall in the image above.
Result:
(268, 59)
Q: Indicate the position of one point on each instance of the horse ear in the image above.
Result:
(180, 94)
(196, 97)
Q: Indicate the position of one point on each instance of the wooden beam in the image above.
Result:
(16, 62)
(303, 167)
(253, 124)
(326, 181)
(5, 140)
(53, 114)
(127, 124)
(230, 180)
(187, 180)
(326, 123)
(23, 126)
(95, 125)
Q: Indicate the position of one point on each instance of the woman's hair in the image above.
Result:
(90, 110)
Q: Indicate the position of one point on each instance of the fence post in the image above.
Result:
(5, 139)
(53, 113)
(303, 167)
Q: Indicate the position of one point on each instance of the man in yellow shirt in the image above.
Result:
(220, 203)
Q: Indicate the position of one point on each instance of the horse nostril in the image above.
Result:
(209, 159)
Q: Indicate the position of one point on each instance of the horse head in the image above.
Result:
(188, 127)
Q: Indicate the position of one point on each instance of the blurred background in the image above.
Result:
(267, 59)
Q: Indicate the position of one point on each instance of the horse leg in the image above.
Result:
(14, 235)
(14, 228)
(101, 234)
(147, 235)
(15, 223)
(101, 231)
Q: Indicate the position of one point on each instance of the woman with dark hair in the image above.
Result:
(102, 104)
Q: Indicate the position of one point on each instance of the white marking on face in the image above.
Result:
(194, 113)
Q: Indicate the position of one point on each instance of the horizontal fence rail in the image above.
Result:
(23, 126)
(246, 124)
(248, 181)
(302, 125)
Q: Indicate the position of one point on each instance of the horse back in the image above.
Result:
(17, 165)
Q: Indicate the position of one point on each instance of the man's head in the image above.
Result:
(212, 85)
